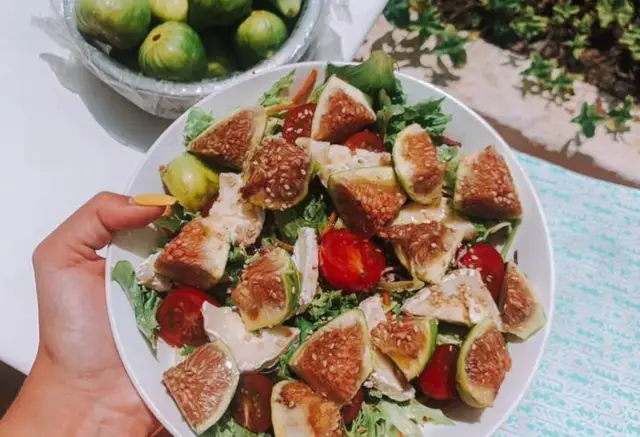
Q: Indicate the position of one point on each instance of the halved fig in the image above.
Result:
(342, 111)
(229, 141)
(416, 162)
(336, 359)
(442, 212)
(253, 351)
(462, 299)
(233, 215)
(197, 256)
(408, 340)
(483, 363)
(485, 188)
(277, 174)
(367, 199)
(332, 158)
(267, 293)
(522, 313)
(203, 384)
(296, 410)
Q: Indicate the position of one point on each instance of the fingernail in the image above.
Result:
(154, 200)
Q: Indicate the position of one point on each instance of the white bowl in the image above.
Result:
(532, 242)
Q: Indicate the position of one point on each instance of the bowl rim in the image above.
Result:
(322, 64)
(296, 45)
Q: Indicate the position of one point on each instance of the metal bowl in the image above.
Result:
(170, 99)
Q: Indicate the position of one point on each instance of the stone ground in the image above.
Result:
(490, 83)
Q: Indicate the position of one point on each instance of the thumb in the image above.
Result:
(92, 226)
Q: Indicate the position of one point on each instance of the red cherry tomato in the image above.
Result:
(350, 262)
(298, 122)
(366, 140)
(487, 260)
(180, 317)
(438, 379)
(251, 405)
(351, 410)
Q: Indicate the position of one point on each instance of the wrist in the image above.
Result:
(56, 404)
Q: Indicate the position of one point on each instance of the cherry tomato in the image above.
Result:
(298, 122)
(251, 405)
(366, 140)
(438, 379)
(350, 411)
(180, 317)
(487, 260)
(350, 262)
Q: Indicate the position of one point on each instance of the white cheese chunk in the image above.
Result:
(305, 257)
(147, 275)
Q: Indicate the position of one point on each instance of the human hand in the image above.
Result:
(78, 379)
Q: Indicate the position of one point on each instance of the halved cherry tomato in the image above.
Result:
(487, 260)
(251, 405)
(438, 379)
(350, 262)
(298, 122)
(366, 140)
(180, 317)
(351, 410)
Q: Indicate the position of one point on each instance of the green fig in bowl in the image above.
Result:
(220, 62)
(259, 37)
(120, 23)
(173, 51)
(169, 10)
(213, 13)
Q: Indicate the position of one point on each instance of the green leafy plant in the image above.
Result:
(620, 11)
(508, 6)
(563, 12)
(452, 44)
(429, 22)
(562, 84)
(588, 119)
(529, 25)
(578, 44)
(583, 25)
(618, 118)
(631, 40)
(398, 13)
(540, 69)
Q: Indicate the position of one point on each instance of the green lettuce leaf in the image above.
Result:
(227, 427)
(279, 91)
(316, 93)
(198, 120)
(427, 114)
(174, 222)
(144, 301)
(310, 213)
(371, 422)
(238, 258)
(407, 417)
(374, 74)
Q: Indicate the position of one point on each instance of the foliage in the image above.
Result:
(588, 119)
(618, 118)
(631, 40)
(452, 44)
(563, 12)
(529, 26)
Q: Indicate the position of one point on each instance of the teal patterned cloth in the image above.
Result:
(588, 384)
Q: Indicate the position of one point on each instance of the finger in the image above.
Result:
(93, 225)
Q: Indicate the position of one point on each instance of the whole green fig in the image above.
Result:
(204, 14)
(259, 37)
(120, 23)
(190, 181)
(173, 51)
(169, 10)
(219, 61)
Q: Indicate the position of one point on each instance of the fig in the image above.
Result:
(190, 181)
(228, 141)
(259, 37)
(336, 359)
(342, 111)
(296, 410)
(483, 363)
(173, 51)
(213, 13)
(268, 291)
(277, 174)
(197, 256)
(120, 23)
(522, 313)
(220, 63)
(417, 166)
(203, 384)
(288, 8)
(408, 340)
(485, 187)
(169, 10)
(367, 199)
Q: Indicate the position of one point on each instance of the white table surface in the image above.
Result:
(65, 137)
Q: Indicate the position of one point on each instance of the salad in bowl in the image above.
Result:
(332, 263)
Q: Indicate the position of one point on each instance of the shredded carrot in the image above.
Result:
(276, 109)
(330, 223)
(303, 93)
(386, 299)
